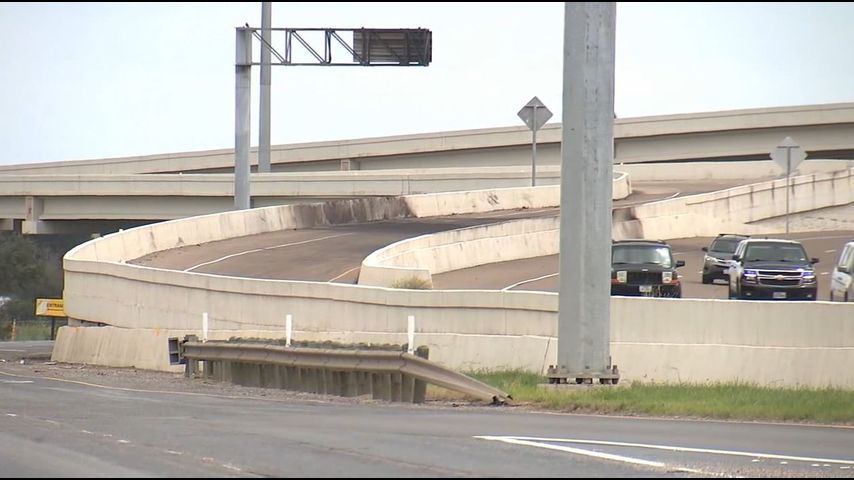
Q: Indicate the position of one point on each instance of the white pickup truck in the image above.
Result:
(842, 281)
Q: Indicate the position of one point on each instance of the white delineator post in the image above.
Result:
(410, 333)
(205, 327)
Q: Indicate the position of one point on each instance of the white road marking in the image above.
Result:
(173, 452)
(822, 238)
(123, 441)
(345, 273)
(16, 381)
(530, 280)
(830, 251)
(579, 451)
(678, 449)
(265, 248)
(651, 200)
(11, 415)
(10, 350)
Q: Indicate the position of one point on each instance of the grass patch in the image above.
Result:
(732, 401)
(38, 329)
(412, 283)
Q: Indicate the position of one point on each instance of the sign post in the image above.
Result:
(535, 115)
(788, 155)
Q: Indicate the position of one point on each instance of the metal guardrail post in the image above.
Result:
(407, 388)
(192, 367)
(419, 389)
(207, 369)
(363, 383)
(396, 386)
(385, 387)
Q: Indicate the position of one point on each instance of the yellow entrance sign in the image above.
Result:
(50, 307)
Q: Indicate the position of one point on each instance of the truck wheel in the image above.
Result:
(707, 279)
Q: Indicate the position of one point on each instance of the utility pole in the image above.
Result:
(266, 73)
(587, 156)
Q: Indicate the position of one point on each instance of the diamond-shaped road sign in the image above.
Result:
(535, 114)
(788, 155)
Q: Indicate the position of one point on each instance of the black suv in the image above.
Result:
(772, 269)
(718, 256)
(644, 268)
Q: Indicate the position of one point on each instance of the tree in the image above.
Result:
(27, 271)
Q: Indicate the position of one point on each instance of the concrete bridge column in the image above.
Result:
(33, 210)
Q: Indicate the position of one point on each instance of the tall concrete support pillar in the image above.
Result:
(587, 155)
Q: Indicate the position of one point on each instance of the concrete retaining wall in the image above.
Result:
(732, 209)
(660, 340)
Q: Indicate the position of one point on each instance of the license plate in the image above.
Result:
(645, 288)
(777, 295)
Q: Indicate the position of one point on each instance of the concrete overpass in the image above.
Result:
(825, 131)
(98, 203)
(108, 194)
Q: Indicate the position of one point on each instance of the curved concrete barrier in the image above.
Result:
(735, 208)
(695, 216)
(703, 171)
(423, 256)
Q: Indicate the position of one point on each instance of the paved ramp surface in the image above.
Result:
(540, 273)
(335, 253)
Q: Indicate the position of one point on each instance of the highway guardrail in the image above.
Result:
(386, 375)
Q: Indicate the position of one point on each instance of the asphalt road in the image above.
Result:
(335, 253)
(15, 351)
(54, 427)
(540, 273)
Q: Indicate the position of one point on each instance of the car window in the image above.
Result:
(636, 254)
(726, 245)
(775, 253)
(740, 249)
(847, 257)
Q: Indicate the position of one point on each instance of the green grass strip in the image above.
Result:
(736, 401)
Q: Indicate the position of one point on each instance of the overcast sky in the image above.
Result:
(81, 81)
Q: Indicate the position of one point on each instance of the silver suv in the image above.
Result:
(718, 255)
